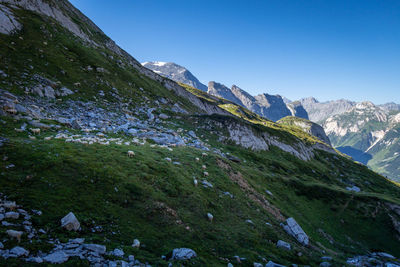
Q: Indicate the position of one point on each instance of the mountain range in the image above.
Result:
(346, 124)
(370, 134)
(104, 162)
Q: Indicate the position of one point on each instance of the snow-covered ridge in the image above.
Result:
(156, 63)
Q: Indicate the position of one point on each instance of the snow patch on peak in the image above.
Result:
(154, 63)
(159, 63)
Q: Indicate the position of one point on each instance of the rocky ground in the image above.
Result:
(87, 123)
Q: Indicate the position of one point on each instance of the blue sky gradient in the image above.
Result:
(298, 48)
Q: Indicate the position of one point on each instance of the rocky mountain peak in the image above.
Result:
(391, 106)
(309, 100)
(272, 106)
(365, 105)
(297, 109)
(175, 72)
(220, 90)
(319, 111)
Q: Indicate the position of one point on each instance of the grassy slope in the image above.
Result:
(43, 47)
(287, 133)
(73, 177)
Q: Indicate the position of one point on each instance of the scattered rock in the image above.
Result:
(206, 184)
(163, 116)
(294, 229)
(70, 222)
(233, 158)
(249, 222)
(183, 254)
(136, 243)
(118, 252)
(273, 264)
(283, 244)
(12, 215)
(353, 188)
(385, 255)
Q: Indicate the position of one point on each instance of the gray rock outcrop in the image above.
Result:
(272, 106)
(283, 245)
(183, 254)
(8, 22)
(70, 222)
(220, 90)
(294, 229)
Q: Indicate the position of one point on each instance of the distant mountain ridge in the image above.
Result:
(370, 134)
(272, 107)
(175, 72)
(319, 111)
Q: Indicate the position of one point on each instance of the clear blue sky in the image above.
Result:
(326, 49)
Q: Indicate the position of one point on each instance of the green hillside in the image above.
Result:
(78, 162)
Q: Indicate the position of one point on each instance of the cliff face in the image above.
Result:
(272, 106)
(319, 111)
(297, 110)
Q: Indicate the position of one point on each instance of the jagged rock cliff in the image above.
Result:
(297, 110)
(220, 90)
(319, 111)
(272, 106)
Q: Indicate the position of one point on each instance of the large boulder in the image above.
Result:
(294, 229)
(183, 254)
(70, 222)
